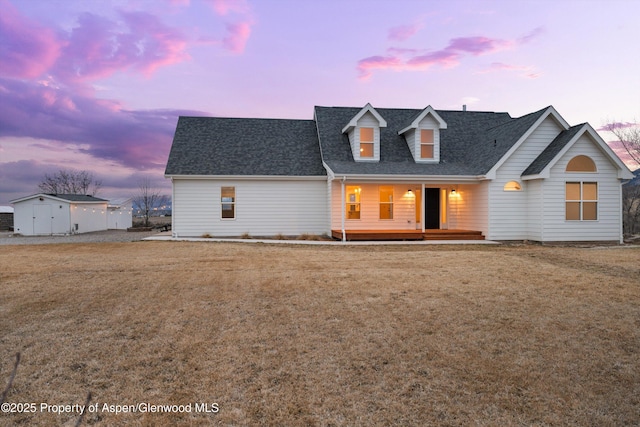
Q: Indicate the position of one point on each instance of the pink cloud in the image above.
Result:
(237, 36)
(27, 49)
(403, 59)
(102, 129)
(403, 32)
(223, 7)
(99, 47)
(524, 70)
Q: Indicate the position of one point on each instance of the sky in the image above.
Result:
(99, 85)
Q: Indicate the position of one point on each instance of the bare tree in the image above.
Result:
(631, 208)
(67, 181)
(148, 198)
(629, 135)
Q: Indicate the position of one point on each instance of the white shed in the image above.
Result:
(119, 214)
(47, 214)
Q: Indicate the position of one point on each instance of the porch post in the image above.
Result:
(344, 208)
(422, 212)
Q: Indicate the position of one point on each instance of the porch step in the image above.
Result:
(361, 235)
(453, 235)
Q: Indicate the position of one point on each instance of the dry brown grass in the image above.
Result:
(298, 336)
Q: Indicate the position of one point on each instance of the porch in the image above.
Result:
(438, 234)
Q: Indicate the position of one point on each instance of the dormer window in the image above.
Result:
(423, 136)
(366, 142)
(426, 143)
(363, 131)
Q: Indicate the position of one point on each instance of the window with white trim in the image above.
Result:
(426, 143)
(353, 202)
(366, 142)
(386, 202)
(228, 202)
(581, 199)
(512, 186)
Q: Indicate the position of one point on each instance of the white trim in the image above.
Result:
(49, 196)
(433, 179)
(251, 177)
(366, 109)
(550, 111)
(415, 123)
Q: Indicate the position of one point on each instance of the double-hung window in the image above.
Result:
(426, 143)
(366, 142)
(228, 202)
(581, 201)
(353, 202)
(386, 202)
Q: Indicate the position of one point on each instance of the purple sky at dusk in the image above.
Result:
(99, 85)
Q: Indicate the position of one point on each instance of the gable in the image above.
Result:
(563, 143)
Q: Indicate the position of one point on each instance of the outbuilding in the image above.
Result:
(46, 214)
(119, 214)
(6, 218)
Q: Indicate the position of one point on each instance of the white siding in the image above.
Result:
(608, 225)
(469, 207)
(120, 217)
(263, 207)
(535, 208)
(510, 210)
(89, 217)
(403, 208)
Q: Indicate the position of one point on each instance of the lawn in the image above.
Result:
(276, 335)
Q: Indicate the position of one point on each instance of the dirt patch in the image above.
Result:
(284, 335)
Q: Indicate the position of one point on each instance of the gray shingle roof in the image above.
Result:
(234, 146)
(552, 150)
(78, 198)
(472, 143)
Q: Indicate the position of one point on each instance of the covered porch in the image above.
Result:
(368, 210)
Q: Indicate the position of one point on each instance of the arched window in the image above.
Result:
(581, 164)
(512, 186)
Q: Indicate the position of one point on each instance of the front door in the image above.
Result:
(431, 208)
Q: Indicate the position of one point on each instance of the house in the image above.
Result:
(47, 214)
(120, 214)
(6, 218)
(359, 173)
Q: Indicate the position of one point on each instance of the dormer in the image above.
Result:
(364, 134)
(423, 136)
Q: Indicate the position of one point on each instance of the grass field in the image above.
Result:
(328, 336)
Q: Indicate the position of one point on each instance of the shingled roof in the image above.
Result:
(471, 145)
(234, 146)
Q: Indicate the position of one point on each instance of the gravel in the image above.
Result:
(7, 238)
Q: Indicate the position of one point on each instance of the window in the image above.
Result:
(228, 202)
(386, 202)
(512, 186)
(426, 143)
(581, 201)
(581, 164)
(353, 202)
(366, 142)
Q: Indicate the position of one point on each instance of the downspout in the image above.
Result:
(344, 208)
(174, 232)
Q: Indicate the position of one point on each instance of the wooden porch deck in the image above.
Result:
(363, 235)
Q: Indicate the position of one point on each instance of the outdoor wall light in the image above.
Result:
(410, 191)
(453, 191)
